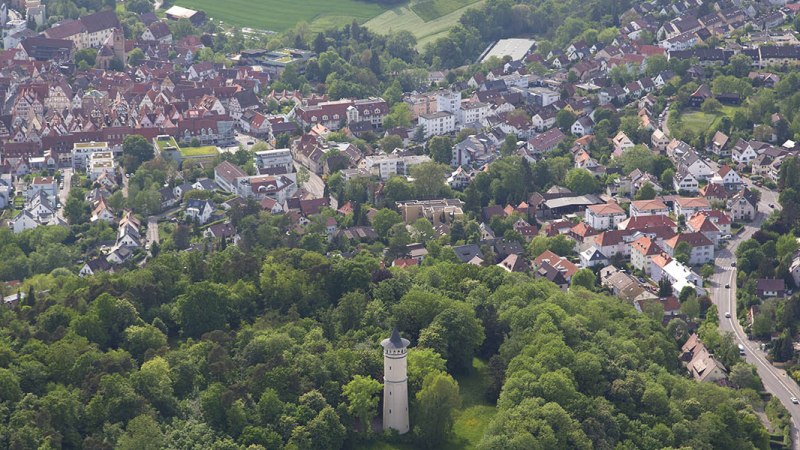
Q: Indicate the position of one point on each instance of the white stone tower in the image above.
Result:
(395, 383)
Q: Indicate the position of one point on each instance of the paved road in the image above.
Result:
(314, 185)
(125, 181)
(152, 231)
(63, 194)
(775, 380)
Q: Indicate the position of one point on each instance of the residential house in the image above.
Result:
(592, 257)
(687, 207)
(545, 142)
(719, 144)
(648, 208)
(702, 248)
(583, 126)
(621, 142)
(228, 176)
(684, 181)
(727, 177)
(642, 250)
(659, 140)
(94, 266)
(604, 216)
(614, 242)
(702, 223)
(743, 152)
(677, 274)
(743, 206)
(199, 210)
(770, 287)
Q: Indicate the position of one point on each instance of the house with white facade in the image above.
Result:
(702, 248)
(684, 181)
(438, 123)
(199, 210)
(727, 177)
(687, 207)
(385, 166)
(648, 208)
(743, 152)
(604, 216)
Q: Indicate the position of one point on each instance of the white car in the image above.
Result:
(727, 315)
(795, 401)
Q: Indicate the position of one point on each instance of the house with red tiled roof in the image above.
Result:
(701, 223)
(642, 251)
(614, 242)
(649, 222)
(688, 206)
(582, 232)
(604, 216)
(721, 219)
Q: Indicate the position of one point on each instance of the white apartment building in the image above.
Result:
(275, 161)
(438, 123)
(100, 163)
(447, 100)
(385, 166)
(82, 150)
(472, 112)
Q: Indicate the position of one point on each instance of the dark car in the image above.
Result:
(727, 286)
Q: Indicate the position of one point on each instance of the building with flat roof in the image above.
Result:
(516, 48)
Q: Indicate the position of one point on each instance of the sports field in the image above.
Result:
(276, 15)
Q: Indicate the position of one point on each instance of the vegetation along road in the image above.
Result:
(775, 380)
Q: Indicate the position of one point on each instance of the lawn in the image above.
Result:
(276, 15)
(199, 151)
(404, 18)
(470, 421)
(700, 122)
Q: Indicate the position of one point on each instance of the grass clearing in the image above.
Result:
(698, 122)
(471, 420)
(404, 18)
(433, 9)
(275, 15)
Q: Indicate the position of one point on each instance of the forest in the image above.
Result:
(280, 348)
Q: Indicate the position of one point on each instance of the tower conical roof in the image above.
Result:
(395, 341)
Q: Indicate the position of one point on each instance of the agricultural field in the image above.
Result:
(275, 15)
(426, 20)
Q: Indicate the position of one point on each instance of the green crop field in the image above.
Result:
(275, 15)
(404, 18)
(433, 9)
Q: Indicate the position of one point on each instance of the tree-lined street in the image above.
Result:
(776, 381)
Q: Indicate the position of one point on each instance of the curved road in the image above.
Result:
(775, 380)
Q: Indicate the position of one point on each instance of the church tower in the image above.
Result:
(395, 383)
(118, 44)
